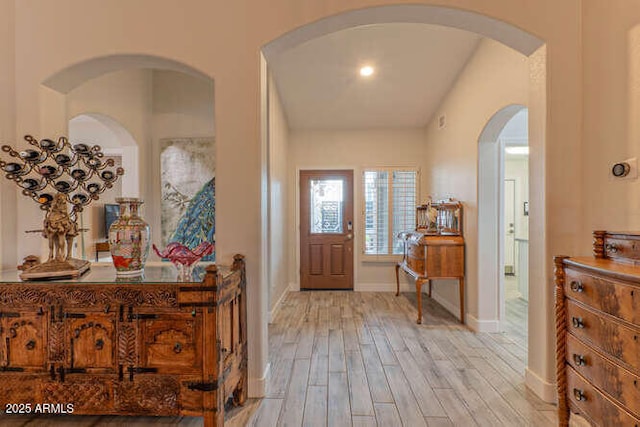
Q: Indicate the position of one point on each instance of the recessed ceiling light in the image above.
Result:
(366, 71)
(517, 150)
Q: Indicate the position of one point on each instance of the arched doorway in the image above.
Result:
(499, 235)
(485, 308)
(117, 143)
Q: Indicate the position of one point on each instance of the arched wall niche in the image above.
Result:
(120, 142)
(68, 93)
(74, 75)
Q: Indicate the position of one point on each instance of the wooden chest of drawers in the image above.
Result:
(598, 332)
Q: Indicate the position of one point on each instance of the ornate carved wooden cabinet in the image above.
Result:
(598, 332)
(158, 347)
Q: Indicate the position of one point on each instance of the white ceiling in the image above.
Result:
(415, 66)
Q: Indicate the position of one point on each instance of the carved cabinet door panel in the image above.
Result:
(229, 328)
(24, 343)
(172, 343)
(91, 339)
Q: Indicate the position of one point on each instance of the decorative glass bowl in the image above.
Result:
(184, 258)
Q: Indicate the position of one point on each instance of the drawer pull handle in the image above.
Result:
(577, 322)
(577, 286)
(99, 344)
(579, 395)
(579, 360)
(31, 344)
(611, 247)
(177, 348)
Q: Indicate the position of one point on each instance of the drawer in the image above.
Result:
(614, 298)
(623, 249)
(604, 333)
(584, 398)
(172, 343)
(617, 382)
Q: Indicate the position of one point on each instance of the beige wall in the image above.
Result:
(356, 150)
(611, 87)
(278, 188)
(494, 78)
(222, 39)
(182, 105)
(126, 98)
(150, 105)
(8, 191)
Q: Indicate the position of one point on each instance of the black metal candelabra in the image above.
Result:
(54, 175)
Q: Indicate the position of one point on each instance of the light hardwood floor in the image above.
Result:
(359, 359)
(344, 358)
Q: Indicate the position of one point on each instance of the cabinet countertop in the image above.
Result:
(104, 273)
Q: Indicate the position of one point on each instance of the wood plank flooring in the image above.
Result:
(359, 359)
(371, 364)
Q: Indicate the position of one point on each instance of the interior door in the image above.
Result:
(510, 227)
(326, 229)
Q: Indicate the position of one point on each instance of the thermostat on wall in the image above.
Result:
(620, 169)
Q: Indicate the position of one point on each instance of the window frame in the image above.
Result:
(389, 257)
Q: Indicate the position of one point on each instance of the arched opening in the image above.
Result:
(159, 115)
(484, 314)
(117, 143)
(501, 228)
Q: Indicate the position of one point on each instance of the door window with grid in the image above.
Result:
(389, 208)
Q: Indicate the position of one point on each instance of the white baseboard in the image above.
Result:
(276, 307)
(478, 325)
(381, 287)
(257, 387)
(544, 389)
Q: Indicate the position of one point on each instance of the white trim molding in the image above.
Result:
(276, 307)
(257, 386)
(478, 325)
(544, 389)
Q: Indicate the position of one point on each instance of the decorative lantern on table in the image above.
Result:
(54, 175)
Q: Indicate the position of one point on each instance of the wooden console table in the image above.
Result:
(102, 247)
(427, 257)
(107, 345)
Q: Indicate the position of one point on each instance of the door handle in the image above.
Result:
(349, 236)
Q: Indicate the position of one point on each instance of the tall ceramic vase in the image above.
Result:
(129, 238)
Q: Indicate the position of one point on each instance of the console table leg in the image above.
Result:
(397, 280)
(419, 298)
(461, 282)
(429, 282)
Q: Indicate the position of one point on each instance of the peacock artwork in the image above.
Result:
(198, 223)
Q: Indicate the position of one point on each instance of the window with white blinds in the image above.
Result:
(389, 208)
